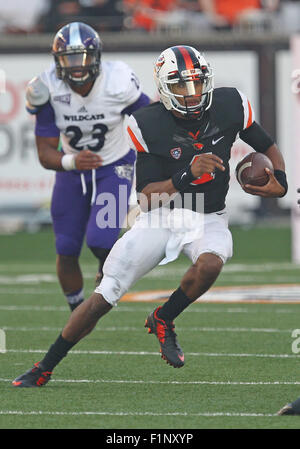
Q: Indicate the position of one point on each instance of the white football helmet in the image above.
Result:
(184, 64)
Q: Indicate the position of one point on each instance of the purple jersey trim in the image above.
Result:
(143, 100)
(45, 122)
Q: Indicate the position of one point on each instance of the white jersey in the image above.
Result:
(95, 122)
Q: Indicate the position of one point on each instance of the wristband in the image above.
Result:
(68, 162)
(182, 179)
(281, 178)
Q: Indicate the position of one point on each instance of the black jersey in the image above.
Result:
(166, 144)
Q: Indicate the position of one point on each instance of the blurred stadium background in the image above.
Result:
(257, 52)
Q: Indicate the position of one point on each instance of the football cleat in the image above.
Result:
(34, 377)
(170, 350)
(290, 409)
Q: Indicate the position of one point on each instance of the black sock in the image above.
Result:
(56, 352)
(177, 302)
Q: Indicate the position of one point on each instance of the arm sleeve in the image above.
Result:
(248, 112)
(148, 169)
(143, 100)
(126, 87)
(148, 166)
(136, 140)
(45, 122)
(257, 137)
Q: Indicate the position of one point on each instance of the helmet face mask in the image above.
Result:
(77, 53)
(184, 80)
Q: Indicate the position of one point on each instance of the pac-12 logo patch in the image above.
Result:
(176, 152)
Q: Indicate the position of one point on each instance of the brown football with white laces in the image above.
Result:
(251, 169)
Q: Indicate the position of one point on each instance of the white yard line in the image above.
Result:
(147, 353)
(171, 382)
(32, 291)
(38, 273)
(196, 308)
(105, 413)
(39, 279)
(274, 293)
(141, 329)
(35, 308)
(89, 267)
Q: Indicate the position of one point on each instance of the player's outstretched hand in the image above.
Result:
(206, 163)
(87, 160)
(273, 189)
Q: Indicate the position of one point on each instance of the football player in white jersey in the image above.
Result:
(82, 103)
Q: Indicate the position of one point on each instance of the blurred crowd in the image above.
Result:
(47, 16)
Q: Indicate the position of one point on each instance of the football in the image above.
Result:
(251, 169)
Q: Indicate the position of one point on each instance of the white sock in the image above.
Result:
(75, 297)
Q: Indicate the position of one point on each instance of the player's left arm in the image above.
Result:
(132, 96)
(260, 141)
(257, 137)
(142, 101)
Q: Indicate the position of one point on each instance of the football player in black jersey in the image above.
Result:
(183, 144)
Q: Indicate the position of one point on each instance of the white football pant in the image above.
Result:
(158, 237)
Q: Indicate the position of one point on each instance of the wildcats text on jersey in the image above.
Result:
(80, 118)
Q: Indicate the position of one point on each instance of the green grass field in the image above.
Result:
(240, 367)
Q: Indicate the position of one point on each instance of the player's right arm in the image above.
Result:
(206, 163)
(52, 159)
(47, 134)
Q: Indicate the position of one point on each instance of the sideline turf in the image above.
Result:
(239, 357)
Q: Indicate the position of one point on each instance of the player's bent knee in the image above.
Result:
(98, 305)
(209, 265)
(202, 274)
(66, 246)
(67, 264)
(111, 289)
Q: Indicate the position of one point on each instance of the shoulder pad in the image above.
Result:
(37, 94)
(227, 108)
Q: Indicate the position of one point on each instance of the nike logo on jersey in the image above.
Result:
(215, 141)
(184, 174)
